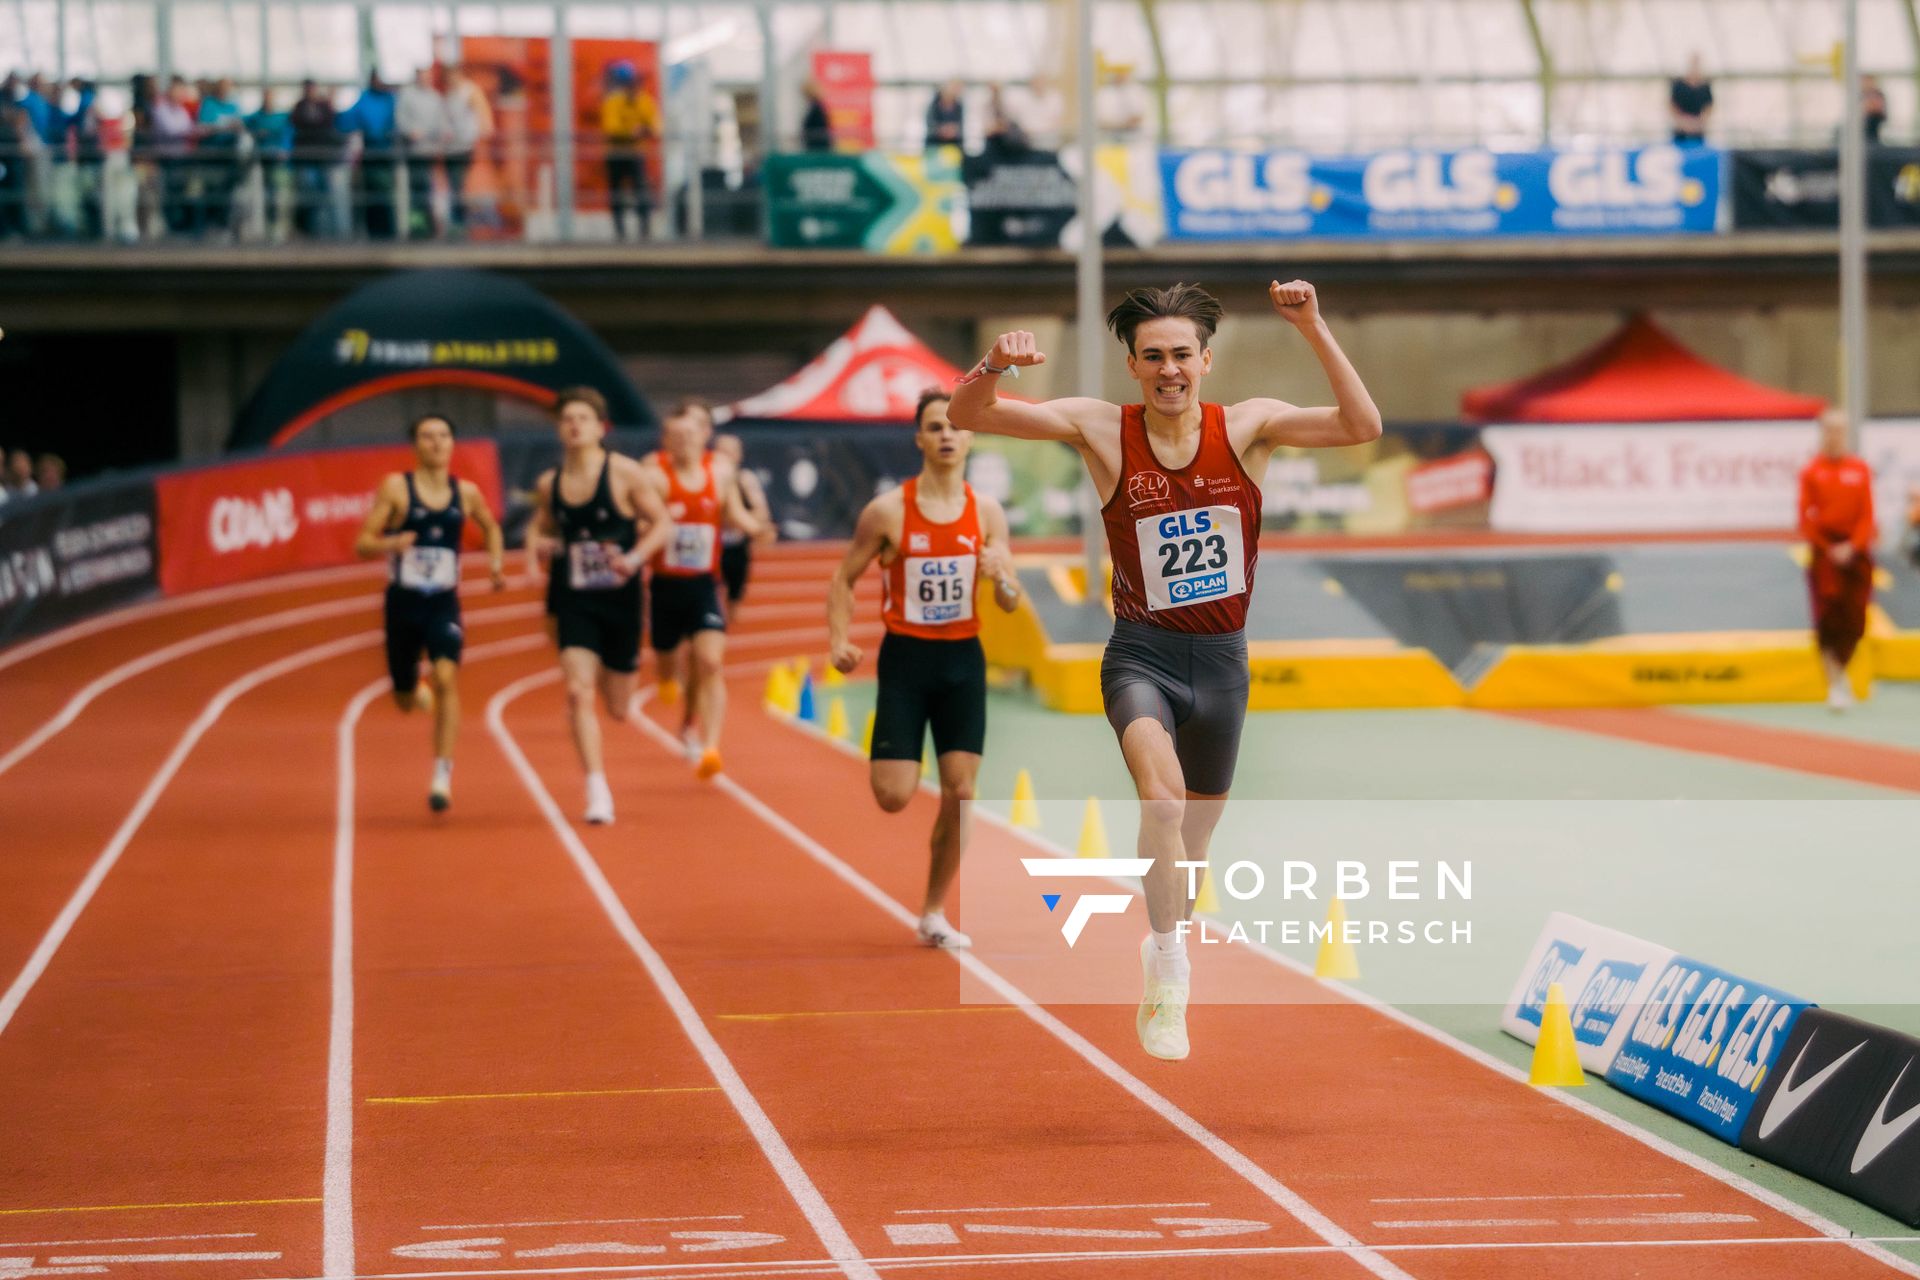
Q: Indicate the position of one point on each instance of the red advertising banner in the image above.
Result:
(292, 511)
(846, 88)
(593, 60)
(1458, 481)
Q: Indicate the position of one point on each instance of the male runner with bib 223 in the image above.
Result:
(1179, 484)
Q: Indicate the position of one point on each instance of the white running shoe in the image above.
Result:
(1161, 1020)
(599, 802)
(440, 794)
(935, 931)
(691, 746)
(1839, 697)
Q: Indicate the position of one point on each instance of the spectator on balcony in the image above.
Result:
(172, 127)
(629, 121)
(316, 151)
(470, 122)
(220, 130)
(1039, 111)
(50, 472)
(1006, 139)
(816, 126)
(14, 128)
(947, 117)
(426, 130)
(373, 116)
(1873, 108)
(1690, 105)
(83, 127)
(272, 134)
(19, 474)
(1120, 107)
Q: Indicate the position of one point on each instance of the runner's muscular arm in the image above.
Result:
(996, 558)
(476, 506)
(976, 405)
(735, 510)
(877, 530)
(645, 484)
(374, 540)
(1351, 419)
(754, 494)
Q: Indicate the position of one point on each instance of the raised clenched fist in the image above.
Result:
(1296, 301)
(1017, 349)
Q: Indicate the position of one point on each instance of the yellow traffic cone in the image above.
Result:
(1337, 958)
(866, 739)
(837, 719)
(799, 666)
(1093, 832)
(1207, 903)
(1026, 810)
(776, 685)
(832, 679)
(1556, 1058)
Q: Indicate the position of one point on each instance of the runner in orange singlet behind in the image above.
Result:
(701, 493)
(1179, 483)
(937, 541)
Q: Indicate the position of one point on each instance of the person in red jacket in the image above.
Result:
(1836, 519)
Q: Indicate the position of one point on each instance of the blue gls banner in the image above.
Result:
(1217, 194)
(1703, 1045)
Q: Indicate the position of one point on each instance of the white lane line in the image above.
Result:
(1464, 1224)
(1065, 1208)
(193, 644)
(336, 1196)
(820, 1216)
(1666, 1219)
(180, 604)
(1575, 1195)
(69, 915)
(1282, 1195)
(209, 1235)
(821, 1266)
(589, 1222)
(109, 1259)
(911, 1233)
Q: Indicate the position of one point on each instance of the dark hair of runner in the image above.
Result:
(927, 397)
(692, 404)
(1181, 302)
(413, 431)
(581, 395)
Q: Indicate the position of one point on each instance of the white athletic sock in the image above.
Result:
(442, 769)
(596, 782)
(1170, 963)
(1170, 943)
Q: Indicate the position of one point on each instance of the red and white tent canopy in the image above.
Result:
(874, 372)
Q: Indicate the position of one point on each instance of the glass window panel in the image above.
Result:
(1384, 116)
(1452, 113)
(1248, 48)
(1756, 113)
(863, 26)
(1372, 35)
(1005, 43)
(1902, 99)
(1625, 42)
(526, 20)
(111, 40)
(1120, 36)
(600, 22)
(1498, 37)
(29, 37)
(318, 40)
(1510, 114)
(1195, 116)
(1444, 41)
(1750, 36)
(1318, 49)
(1568, 37)
(1194, 44)
(477, 20)
(731, 35)
(1817, 111)
(899, 117)
(1314, 117)
(1684, 28)
(798, 29)
(402, 40)
(929, 40)
(1886, 41)
(203, 40)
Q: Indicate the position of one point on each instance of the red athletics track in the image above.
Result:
(684, 1046)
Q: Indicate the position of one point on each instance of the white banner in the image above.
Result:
(1605, 974)
(1681, 477)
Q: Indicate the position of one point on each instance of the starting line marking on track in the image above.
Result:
(590, 1222)
(108, 1259)
(861, 1013)
(55, 1244)
(429, 1099)
(1578, 1195)
(181, 1204)
(1066, 1208)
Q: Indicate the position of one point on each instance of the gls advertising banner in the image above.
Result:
(1218, 194)
(66, 556)
(286, 512)
(1704, 1044)
(1606, 975)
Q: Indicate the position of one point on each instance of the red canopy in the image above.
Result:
(1640, 374)
(874, 372)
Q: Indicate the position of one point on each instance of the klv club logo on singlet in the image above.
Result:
(1192, 556)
